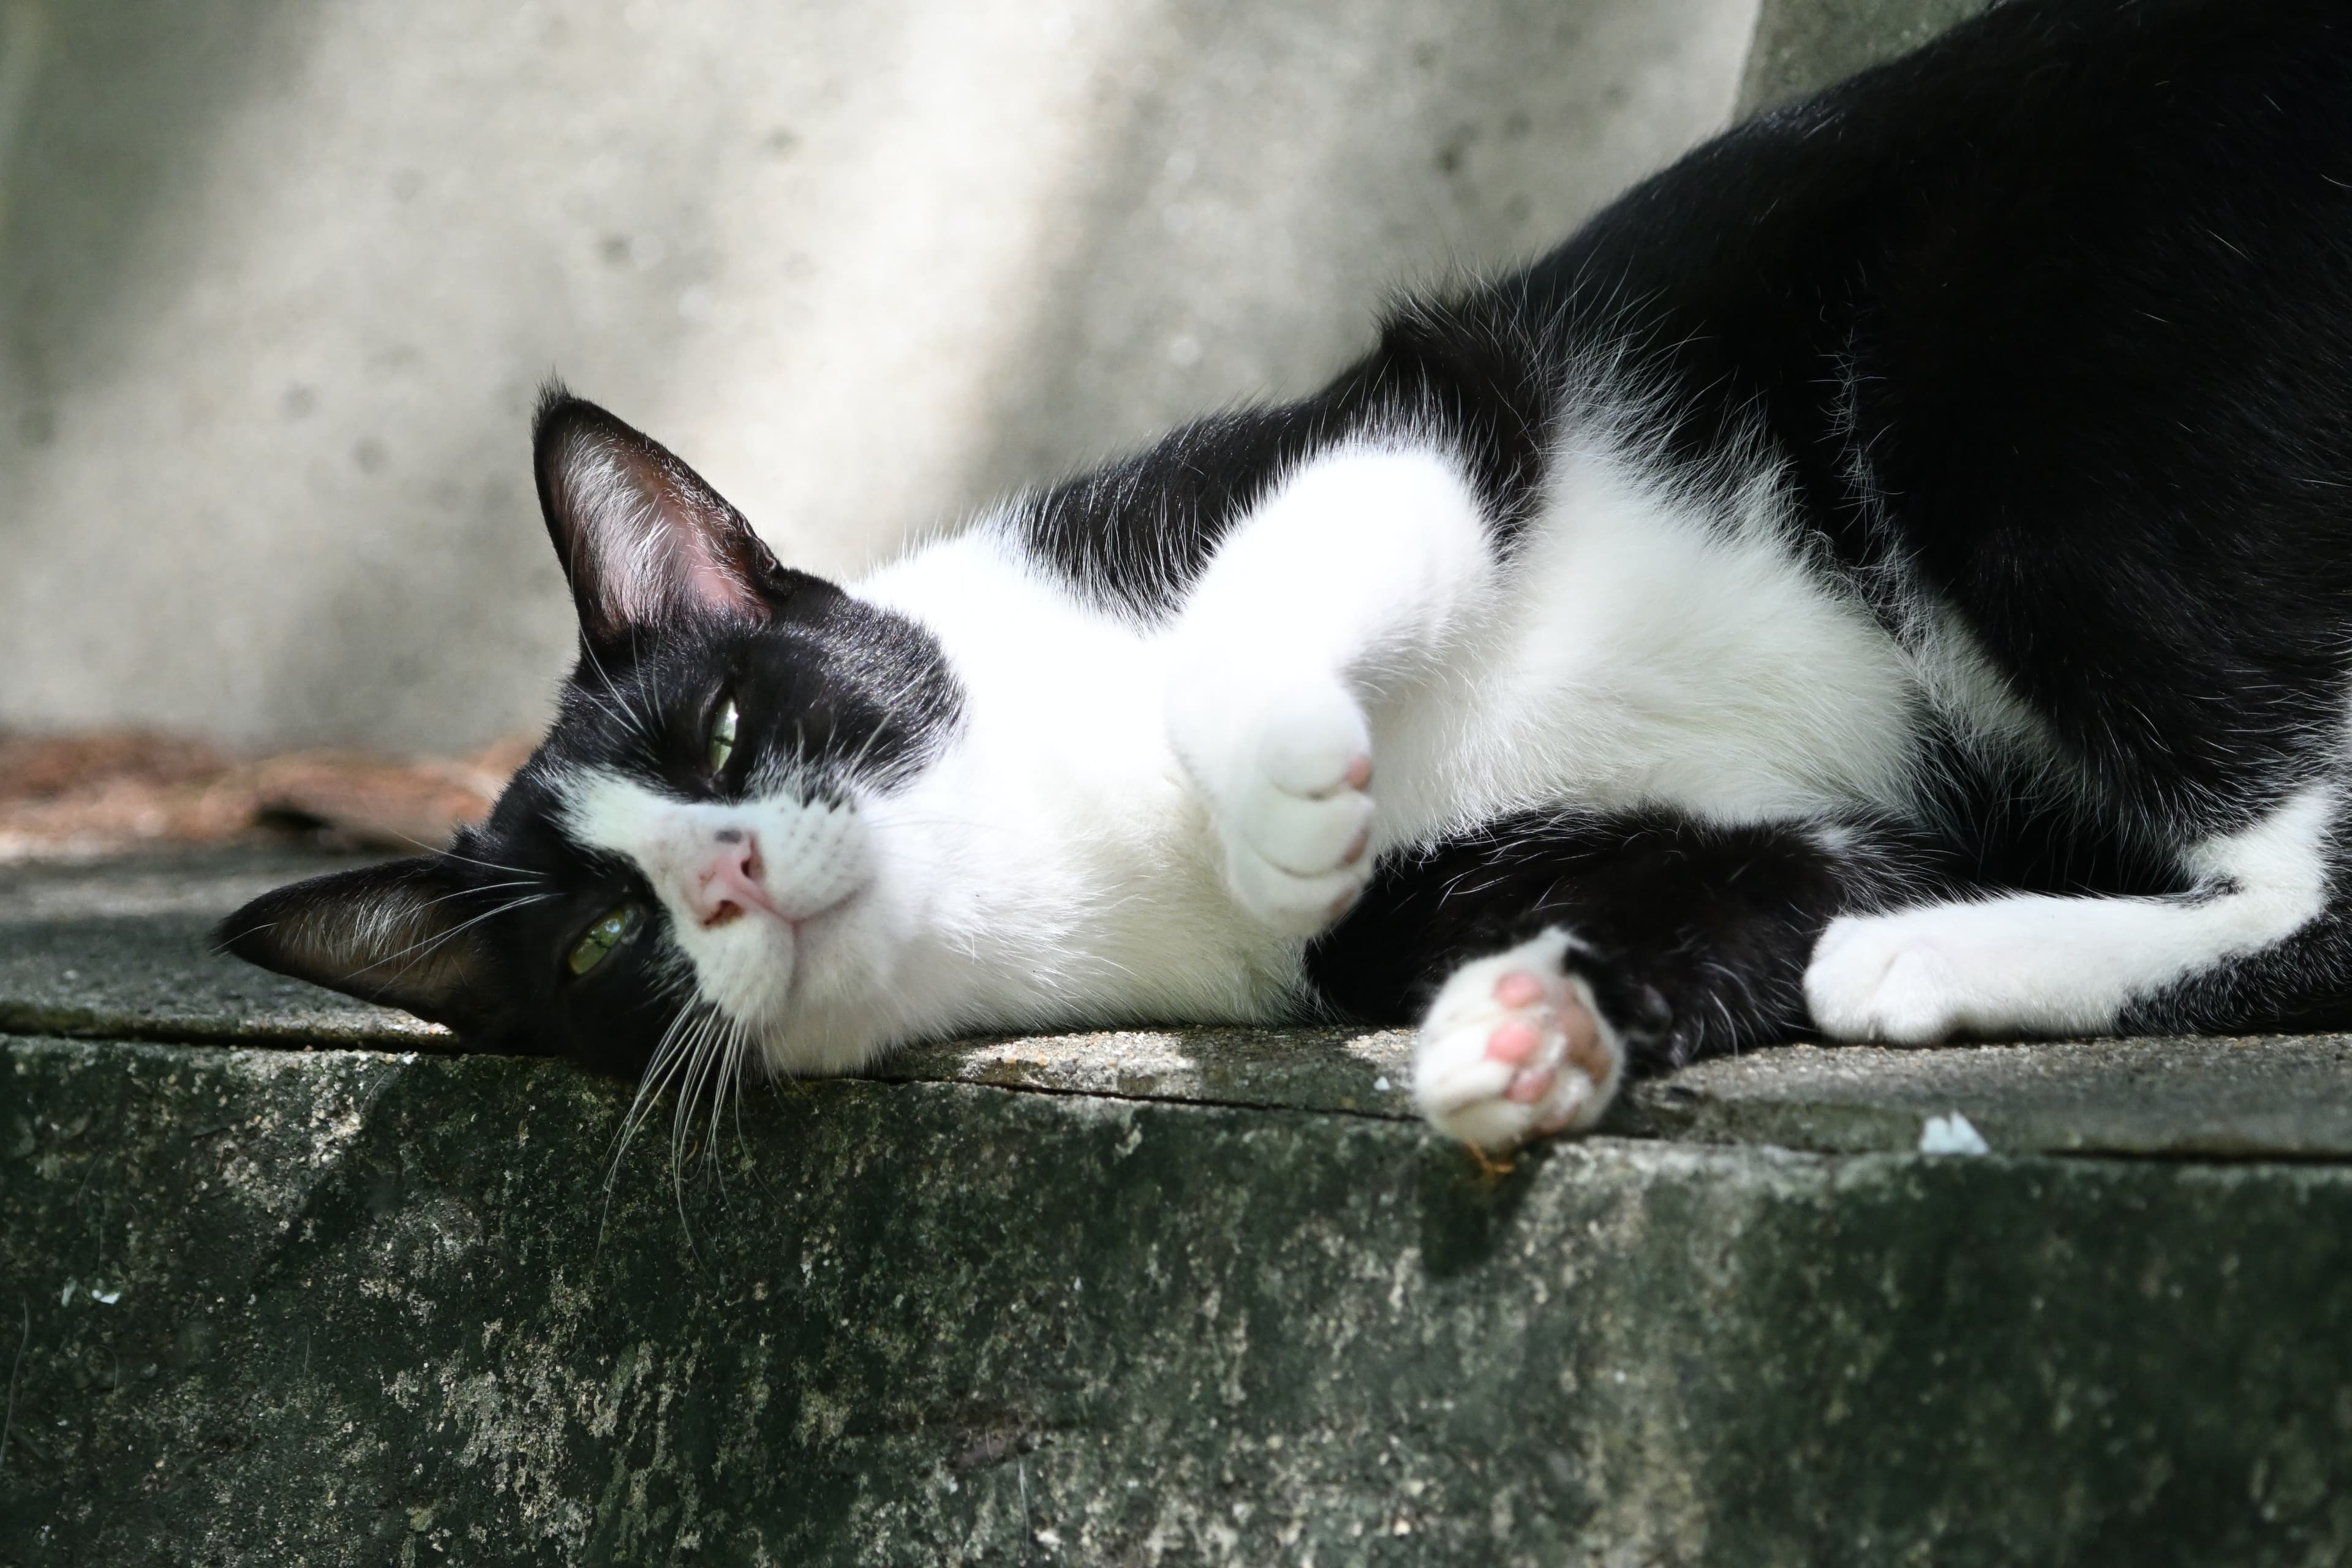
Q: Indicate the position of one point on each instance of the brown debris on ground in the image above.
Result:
(70, 797)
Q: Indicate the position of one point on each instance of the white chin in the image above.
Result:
(750, 973)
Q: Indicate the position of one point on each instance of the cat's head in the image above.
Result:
(689, 855)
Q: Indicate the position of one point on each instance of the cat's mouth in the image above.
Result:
(803, 922)
(742, 901)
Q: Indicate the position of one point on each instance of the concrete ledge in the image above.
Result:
(345, 1306)
(1176, 1297)
(116, 952)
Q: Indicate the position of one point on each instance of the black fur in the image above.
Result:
(1693, 937)
(1133, 535)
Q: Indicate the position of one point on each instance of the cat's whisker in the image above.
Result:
(697, 1061)
(726, 1087)
(658, 1068)
(478, 890)
(632, 720)
(709, 1051)
(855, 764)
(426, 946)
(743, 1055)
(447, 854)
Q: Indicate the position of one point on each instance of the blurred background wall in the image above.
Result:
(279, 280)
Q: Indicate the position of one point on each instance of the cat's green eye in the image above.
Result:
(612, 928)
(722, 735)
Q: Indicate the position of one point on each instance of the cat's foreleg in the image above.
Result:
(1550, 959)
(1338, 595)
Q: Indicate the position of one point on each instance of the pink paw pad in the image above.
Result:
(1513, 1043)
(1518, 989)
(1517, 1042)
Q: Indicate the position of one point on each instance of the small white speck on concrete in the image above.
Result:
(1382, 1084)
(1951, 1134)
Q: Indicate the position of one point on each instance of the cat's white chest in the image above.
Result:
(1057, 831)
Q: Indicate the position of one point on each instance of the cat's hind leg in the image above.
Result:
(1548, 958)
(2246, 947)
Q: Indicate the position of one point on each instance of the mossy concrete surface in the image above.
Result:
(347, 1307)
(1154, 1296)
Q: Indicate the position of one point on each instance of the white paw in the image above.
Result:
(1286, 780)
(1875, 978)
(2011, 966)
(1514, 1049)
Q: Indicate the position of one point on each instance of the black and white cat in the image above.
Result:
(1888, 576)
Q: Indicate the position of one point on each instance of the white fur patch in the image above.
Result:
(1053, 866)
(1652, 646)
(1346, 584)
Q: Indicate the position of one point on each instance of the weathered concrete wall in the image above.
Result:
(278, 281)
(1802, 45)
(288, 1309)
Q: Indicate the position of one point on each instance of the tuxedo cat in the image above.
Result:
(1889, 575)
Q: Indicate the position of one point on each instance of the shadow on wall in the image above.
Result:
(279, 283)
(283, 283)
(102, 107)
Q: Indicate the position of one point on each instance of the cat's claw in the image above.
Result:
(1514, 1048)
(1294, 817)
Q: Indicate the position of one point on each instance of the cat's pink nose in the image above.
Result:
(729, 881)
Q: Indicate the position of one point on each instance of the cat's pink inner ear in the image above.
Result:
(714, 579)
(643, 538)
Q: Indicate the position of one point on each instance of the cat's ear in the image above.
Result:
(397, 933)
(643, 541)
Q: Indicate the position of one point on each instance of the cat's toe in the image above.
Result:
(1315, 744)
(1290, 903)
(1307, 835)
(1515, 1048)
(1294, 816)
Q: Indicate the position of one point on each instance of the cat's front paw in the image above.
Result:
(1287, 783)
(1514, 1048)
